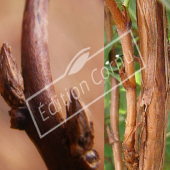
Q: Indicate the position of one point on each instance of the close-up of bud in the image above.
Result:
(47, 48)
(11, 81)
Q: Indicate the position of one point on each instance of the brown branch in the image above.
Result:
(62, 148)
(36, 73)
(114, 136)
(153, 40)
(123, 24)
(120, 20)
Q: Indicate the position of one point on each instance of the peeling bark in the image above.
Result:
(152, 26)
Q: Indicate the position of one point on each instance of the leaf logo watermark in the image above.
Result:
(76, 64)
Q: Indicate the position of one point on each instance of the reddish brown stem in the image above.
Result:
(62, 148)
(54, 148)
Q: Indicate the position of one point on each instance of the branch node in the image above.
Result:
(82, 139)
(18, 118)
(111, 136)
(125, 81)
(80, 131)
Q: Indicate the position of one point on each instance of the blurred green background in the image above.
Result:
(109, 160)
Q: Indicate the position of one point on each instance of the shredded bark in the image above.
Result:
(152, 24)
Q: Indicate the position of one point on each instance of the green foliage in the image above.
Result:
(107, 165)
(109, 162)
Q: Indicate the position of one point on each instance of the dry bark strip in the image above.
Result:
(152, 26)
(123, 24)
(62, 149)
(114, 136)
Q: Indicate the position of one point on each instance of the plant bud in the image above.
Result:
(11, 81)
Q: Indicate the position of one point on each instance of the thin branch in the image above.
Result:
(123, 24)
(114, 136)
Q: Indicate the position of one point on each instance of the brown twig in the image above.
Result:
(123, 24)
(57, 147)
(114, 136)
